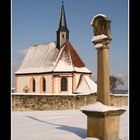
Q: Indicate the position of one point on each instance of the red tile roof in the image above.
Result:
(76, 60)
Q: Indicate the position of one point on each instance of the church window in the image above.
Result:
(63, 84)
(44, 85)
(33, 85)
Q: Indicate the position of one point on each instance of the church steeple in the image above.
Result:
(62, 32)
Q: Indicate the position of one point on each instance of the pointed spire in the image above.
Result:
(62, 32)
(62, 23)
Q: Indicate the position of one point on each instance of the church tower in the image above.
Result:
(62, 32)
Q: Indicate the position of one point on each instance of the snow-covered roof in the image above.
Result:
(86, 85)
(99, 107)
(48, 58)
(39, 58)
(102, 15)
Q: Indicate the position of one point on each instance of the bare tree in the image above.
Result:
(115, 81)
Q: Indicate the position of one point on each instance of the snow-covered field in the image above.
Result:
(56, 125)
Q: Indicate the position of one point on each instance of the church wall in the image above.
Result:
(37, 80)
(53, 83)
(76, 79)
(56, 84)
(22, 80)
(48, 79)
(70, 84)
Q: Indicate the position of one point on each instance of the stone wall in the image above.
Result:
(57, 102)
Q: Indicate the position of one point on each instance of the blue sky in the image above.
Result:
(36, 21)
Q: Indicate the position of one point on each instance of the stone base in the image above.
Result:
(103, 124)
(103, 127)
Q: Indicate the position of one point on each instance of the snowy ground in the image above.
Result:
(56, 125)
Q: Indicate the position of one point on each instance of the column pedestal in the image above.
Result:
(102, 121)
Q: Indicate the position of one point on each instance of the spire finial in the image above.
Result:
(62, 2)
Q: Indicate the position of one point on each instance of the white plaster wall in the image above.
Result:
(25, 80)
(76, 80)
(21, 81)
(56, 84)
(70, 84)
(48, 79)
(37, 82)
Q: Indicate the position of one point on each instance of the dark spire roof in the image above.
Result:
(62, 23)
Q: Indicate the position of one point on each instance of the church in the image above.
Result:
(55, 67)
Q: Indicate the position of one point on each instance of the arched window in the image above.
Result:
(63, 84)
(33, 85)
(44, 85)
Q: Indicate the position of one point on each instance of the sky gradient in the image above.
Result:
(36, 22)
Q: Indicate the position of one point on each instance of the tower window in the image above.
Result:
(62, 35)
(64, 84)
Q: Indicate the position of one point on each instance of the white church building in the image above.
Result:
(54, 68)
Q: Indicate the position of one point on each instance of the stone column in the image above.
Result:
(102, 119)
(103, 92)
(101, 39)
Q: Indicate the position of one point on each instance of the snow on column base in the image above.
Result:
(101, 120)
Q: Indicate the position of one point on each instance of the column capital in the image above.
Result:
(100, 46)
